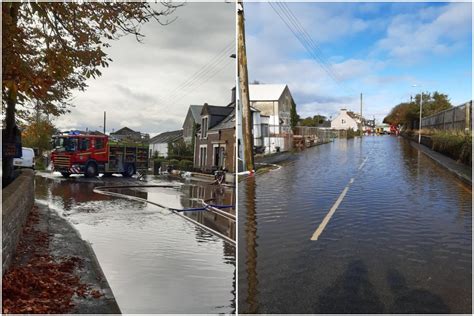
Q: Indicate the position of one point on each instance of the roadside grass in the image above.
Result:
(452, 143)
(455, 144)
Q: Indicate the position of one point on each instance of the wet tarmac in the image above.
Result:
(154, 260)
(399, 240)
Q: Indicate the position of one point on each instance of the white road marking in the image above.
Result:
(363, 163)
(333, 209)
(329, 215)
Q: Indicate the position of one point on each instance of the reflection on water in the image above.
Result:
(155, 261)
(400, 241)
(251, 247)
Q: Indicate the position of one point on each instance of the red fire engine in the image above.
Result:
(82, 153)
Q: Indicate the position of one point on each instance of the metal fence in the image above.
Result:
(457, 118)
(315, 134)
(279, 138)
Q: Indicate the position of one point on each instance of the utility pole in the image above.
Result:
(247, 136)
(104, 120)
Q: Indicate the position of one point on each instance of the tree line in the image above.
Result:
(407, 114)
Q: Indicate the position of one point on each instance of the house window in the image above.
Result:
(204, 127)
(343, 121)
(202, 156)
(265, 130)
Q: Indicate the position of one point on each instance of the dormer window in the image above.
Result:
(204, 127)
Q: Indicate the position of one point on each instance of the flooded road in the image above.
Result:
(398, 239)
(155, 261)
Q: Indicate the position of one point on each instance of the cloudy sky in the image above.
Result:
(380, 49)
(138, 89)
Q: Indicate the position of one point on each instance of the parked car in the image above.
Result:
(27, 159)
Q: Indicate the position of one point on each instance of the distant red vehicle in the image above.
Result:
(394, 130)
(82, 153)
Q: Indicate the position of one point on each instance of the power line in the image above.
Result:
(202, 73)
(203, 81)
(293, 24)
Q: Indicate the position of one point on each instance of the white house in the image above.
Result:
(274, 102)
(160, 142)
(345, 120)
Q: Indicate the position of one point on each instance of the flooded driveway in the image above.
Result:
(155, 261)
(398, 241)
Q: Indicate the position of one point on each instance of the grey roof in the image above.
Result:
(219, 110)
(124, 131)
(228, 122)
(167, 137)
(196, 112)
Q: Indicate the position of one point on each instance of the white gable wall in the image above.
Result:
(344, 121)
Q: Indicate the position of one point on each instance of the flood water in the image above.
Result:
(155, 261)
(399, 242)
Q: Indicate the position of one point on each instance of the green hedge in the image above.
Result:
(186, 165)
(456, 145)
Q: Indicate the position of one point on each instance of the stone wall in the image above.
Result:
(17, 201)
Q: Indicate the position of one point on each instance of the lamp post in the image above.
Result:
(421, 111)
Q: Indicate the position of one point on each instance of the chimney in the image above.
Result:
(232, 98)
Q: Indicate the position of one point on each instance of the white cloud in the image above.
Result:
(439, 30)
(132, 89)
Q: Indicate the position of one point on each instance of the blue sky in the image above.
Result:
(379, 49)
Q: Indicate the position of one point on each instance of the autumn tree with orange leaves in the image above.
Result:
(51, 49)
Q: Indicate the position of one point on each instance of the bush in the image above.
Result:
(454, 144)
(173, 162)
(40, 164)
(351, 133)
(186, 165)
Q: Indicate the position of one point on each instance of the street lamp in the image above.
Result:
(421, 110)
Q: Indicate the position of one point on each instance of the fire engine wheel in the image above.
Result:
(65, 174)
(91, 170)
(129, 170)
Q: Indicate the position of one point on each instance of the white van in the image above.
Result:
(27, 159)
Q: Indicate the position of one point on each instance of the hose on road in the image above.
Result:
(105, 191)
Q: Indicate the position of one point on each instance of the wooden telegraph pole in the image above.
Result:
(247, 136)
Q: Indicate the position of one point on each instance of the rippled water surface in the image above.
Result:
(400, 241)
(154, 260)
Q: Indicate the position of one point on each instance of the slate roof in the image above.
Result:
(167, 137)
(124, 131)
(196, 112)
(219, 110)
(266, 92)
(228, 122)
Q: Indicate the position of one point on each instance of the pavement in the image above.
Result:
(64, 241)
(463, 171)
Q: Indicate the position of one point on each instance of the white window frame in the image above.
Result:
(202, 163)
(204, 127)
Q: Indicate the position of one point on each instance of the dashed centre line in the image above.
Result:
(333, 209)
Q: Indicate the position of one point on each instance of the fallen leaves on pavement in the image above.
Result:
(41, 284)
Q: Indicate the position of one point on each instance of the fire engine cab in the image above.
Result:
(89, 154)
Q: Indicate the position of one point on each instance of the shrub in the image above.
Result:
(40, 164)
(173, 162)
(454, 144)
(186, 165)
